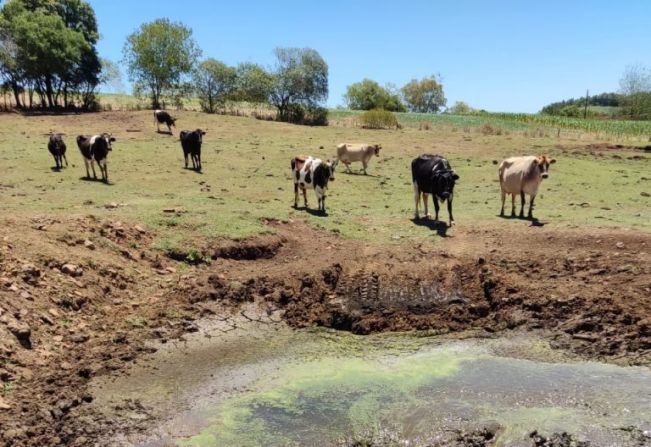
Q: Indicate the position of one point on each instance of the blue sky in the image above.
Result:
(513, 56)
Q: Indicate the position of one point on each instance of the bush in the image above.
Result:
(309, 116)
(378, 119)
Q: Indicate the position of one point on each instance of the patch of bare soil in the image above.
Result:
(79, 298)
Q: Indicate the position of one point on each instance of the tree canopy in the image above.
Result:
(424, 96)
(300, 80)
(368, 95)
(159, 56)
(48, 47)
(214, 82)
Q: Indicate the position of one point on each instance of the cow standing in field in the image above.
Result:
(432, 174)
(95, 149)
(522, 175)
(191, 141)
(309, 172)
(348, 153)
(57, 148)
(160, 117)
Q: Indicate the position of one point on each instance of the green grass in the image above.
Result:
(246, 177)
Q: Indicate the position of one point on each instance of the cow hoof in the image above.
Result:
(428, 216)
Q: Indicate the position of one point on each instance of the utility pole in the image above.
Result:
(585, 109)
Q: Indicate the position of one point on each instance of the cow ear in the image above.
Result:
(552, 161)
(112, 139)
(455, 176)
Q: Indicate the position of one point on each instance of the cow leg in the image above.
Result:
(56, 162)
(513, 205)
(436, 206)
(92, 165)
(66, 159)
(522, 201)
(417, 199)
(348, 167)
(295, 195)
(531, 206)
(503, 200)
(365, 164)
(198, 160)
(186, 160)
(323, 204)
(426, 205)
(304, 197)
(87, 171)
(450, 210)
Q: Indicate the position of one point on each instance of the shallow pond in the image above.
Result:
(252, 384)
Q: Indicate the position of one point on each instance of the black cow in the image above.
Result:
(310, 172)
(432, 174)
(96, 148)
(160, 117)
(57, 148)
(191, 143)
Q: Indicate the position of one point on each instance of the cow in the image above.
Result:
(191, 143)
(312, 172)
(96, 148)
(432, 174)
(522, 175)
(57, 148)
(160, 117)
(348, 153)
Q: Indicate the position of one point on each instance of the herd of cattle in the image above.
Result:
(431, 174)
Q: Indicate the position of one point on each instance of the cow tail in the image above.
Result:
(500, 172)
(293, 163)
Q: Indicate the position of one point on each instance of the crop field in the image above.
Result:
(246, 177)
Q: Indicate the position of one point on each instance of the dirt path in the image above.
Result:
(79, 298)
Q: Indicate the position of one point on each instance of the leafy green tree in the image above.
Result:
(111, 76)
(424, 96)
(49, 46)
(460, 108)
(159, 56)
(253, 83)
(635, 84)
(214, 83)
(369, 95)
(300, 81)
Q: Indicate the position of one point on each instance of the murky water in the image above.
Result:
(264, 384)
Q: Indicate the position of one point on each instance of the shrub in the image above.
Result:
(378, 119)
(309, 116)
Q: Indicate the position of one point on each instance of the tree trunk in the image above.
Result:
(16, 89)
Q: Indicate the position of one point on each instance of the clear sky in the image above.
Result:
(513, 56)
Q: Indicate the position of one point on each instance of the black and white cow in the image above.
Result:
(95, 149)
(191, 143)
(309, 172)
(432, 174)
(160, 117)
(57, 148)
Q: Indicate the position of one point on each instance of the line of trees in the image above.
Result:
(423, 96)
(48, 56)
(161, 59)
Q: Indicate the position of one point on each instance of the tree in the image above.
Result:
(49, 46)
(214, 83)
(111, 76)
(253, 84)
(635, 84)
(368, 95)
(460, 108)
(424, 96)
(159, 56)
(300, 81)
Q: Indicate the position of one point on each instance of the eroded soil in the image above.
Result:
(80, 298)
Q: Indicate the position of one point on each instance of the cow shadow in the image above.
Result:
(535, 222)
(55, 169)
(312, 212)
(359, 173)
(440, 227)
(95, 180)
(164, 132)
(196, 171)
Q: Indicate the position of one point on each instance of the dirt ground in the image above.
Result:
(75, 307)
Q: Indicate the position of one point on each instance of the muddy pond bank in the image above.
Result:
(267, 384)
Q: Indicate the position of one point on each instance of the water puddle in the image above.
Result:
(253, 384)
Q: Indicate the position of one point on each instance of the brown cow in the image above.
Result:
(522, 175)
(348, 153)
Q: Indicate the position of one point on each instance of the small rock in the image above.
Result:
(25, 295)
(645, 194)
(72, 270)
(139, 229)
(619, 245)
(169, 210)
(111, 205)
(22, 332)
(31, 270)
(79, 338)
(89, 244)
(4, 405)
(170, 269)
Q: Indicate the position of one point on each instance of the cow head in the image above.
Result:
(543, 163)
(171, 122)
(376, 149)
(109, 139)
(444, 181)
(200, 134)
(330, 166)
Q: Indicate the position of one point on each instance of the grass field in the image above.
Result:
(246, 177)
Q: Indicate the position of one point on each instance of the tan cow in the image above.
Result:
(348, 153)
(522, 175)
